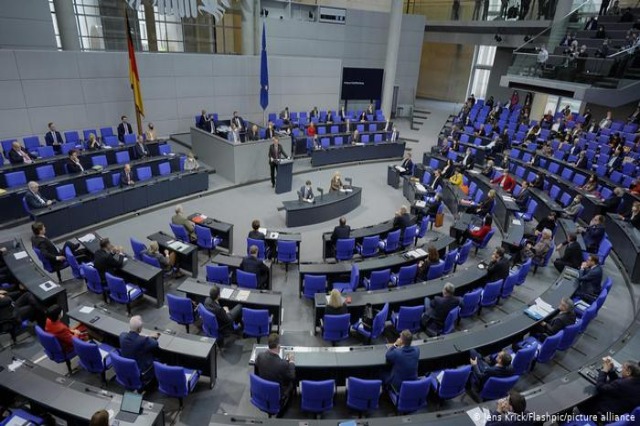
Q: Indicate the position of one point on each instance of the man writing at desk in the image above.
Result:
(306, 192)
(254, 265)
(275, 154)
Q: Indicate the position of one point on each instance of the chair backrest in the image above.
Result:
(363, 395)
(379, 320)
(485, 240)
(258, 243)
(569, 335)
(31, 143)
(413, 395)
(464, 252)
(138, 247)
(379, 279)
(531, 209)
(45, 151)
(246, 279)
(471, 303)
(151, 260)
(66, 192)
(130, 138)
(317, 396)
(73, 263)
(345, 248)
(209, 321)
(523, 360)
(172, 380)
(180, 232)
(409, 318)
(218, 274)
(95, 184)
(449, 261)
(66, 147)
(45, 262)
(409, 235)
(89, 355)
(313, 284)
(588, 316)
(45, 172)
(164, 168)
(509, 284)
(354, 278)
(604, 249)
(435, 271)
(14, 179)
(491, 293)
(407, 274)
(180, 309)
(523, 271)
(453, 382)
(451, 320)
(92, 278)
(287, 251)
(265, 395)
(117, 288)
(498, 387)
(336, 327)
(370, 245)
(256, 322)
(106, 131)
(123, 157)
(127, 371)
(143, 173)
(392, 241)
(164, 149)
(51, 345)
(204, 237)
(99, 160)
(548, 348)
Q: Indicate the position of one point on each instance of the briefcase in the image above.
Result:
(439, 220)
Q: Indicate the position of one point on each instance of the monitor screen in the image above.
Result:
(131, 402)
(362, 83)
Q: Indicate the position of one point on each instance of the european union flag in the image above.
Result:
(264, 71)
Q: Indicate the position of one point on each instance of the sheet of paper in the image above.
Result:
(226, 293)
(420, 203)
(243, 295)
(48, 285)
(420, 188)
(86, 309)
(516, 221)
(15, 365)
(87, 238)
(262, 231)
(478, 415)
(20, 255)
(401, 169)
(440, 376)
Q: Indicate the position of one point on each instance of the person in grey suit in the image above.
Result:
(566, 316)
(306, 192)
(180, 219)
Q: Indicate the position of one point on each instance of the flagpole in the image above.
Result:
(138, 118)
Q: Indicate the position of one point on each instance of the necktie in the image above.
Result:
(26, 158)
(53, 137)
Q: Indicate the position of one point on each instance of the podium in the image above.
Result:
(393, 176)
(284, 176)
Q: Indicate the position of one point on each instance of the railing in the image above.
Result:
(476, 10)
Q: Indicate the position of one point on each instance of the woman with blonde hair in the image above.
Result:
(167, 259)
(336, 182)
(191, 164)
(335, 306)
(93, 143)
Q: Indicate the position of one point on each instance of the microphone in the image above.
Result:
(321, 191)
(349, 181)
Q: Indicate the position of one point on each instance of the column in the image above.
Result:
(247, 8)
(67, 25)
(560, 22)
(391, 61)
(150, 20)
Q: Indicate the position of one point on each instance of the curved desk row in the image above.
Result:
(381, 229)
(233, 262)
(324, 207)
(361, 152)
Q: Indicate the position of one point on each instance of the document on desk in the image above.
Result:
(226, 293)
(478, 415)
(87, 238)
(539, 310)
(263, 231)
(242, 295)
(421, 204)
(508, 198)
(475, 172)
(20, 255)
(420, 188)
(177, 246)
(86, 309)
(48, 285)
(346, 190)
(401, 169)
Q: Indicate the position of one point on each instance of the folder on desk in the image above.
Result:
(87, 238)
(539, 310)
(20, 255)
(226, 293)
(48, 285)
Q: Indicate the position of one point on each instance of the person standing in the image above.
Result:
(53, 138)
(124, 128)
(572, 255)
(275, 154)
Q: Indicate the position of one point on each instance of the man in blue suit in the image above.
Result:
(53, 138)
(590, 279)
(306, 192)
(482, 370)
(593, 234)
(138, 347)
(403, 359)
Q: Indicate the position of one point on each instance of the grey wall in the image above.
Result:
(361, 42)
(501, 63)
(81, 90)
(26, 24)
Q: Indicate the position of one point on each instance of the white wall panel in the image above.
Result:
(11, 95)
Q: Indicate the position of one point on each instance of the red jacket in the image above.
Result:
(507, 183)
(62, 332)
(480, 233)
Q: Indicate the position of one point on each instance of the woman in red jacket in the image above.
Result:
(478, 234)
(505, 182)
(59, 329)
(311, 130)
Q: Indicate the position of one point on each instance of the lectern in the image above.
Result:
(284, 176)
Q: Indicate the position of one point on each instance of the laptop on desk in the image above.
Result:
(130, 407)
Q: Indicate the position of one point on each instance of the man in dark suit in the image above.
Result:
(340, 232)
(49, 250)
(270, 132)
(403, 359)
(226, 318)
(524, 195)
(255, 233)
(140, 348)
(468, 160)
(139, 149)
(615, 394)
(590, 279)
(124, 128)
(126, 177)
(437, 309)
(254, 265)
(566, 316)
(108, 258)
(575, 148)
(572, 256)
(205, 122)
(73, 163)
(582, 162)
(634, 215)
(615, 161)
(33, 197)
(437, 180)
(285, 116)
(18, 155)
(510, 411)
(407, 165)
(53, 138)
(269, 366)
(238, 121)
(612, 203)
(306, 192)
(402, 219)
(275, 153)
(498, 267)
(482, 370)
(593, 234)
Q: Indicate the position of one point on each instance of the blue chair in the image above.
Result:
(317, 396)
(209, 322)
(265, 395)
(587, 317)
(523, 271)
(407, 318)
(547, 350)
(463, 255)
(491, 293)
(72, 136)
(483, 244)
(99, 160)
(151, 260)
(181, 310)
(130, 139)
(94, 185)
(127, 372)
(93, 280)
(121, 292)
(435, 271)
(87, 132)
(369, 246)
(219, 274)
(604, 249)
(53, 349)
(164, 169)
(412, 395)
(450, 322)
(509, 284)
(378, 325)
(335, 327)
(175, 382)
(345, 248)
(257, 323)
(453, 382)
(180, 232)
(138, 248)
(45, 152)
(205, 239)
(262, 250)
(246, 279)
(49, 267)
(354, 281)
(409, 235)
(545, 261)
(523, 360)
(32, 143)
(73, 263)
(422, 230)
(313, 284)
(105, 132)
(45, 172)
(65, 192)
(569, 335)
(471, 303)
(95, 358)
(122, 157)
(392, 242)
(18, 416)
(287, 252)
(14, 179)
(363, 395)
(497, 387)
(406, 275)
(527, 216)
(143, 173)
(450, 261)
(164, 149)
(629, 421)
(26, 208)
(378, 280)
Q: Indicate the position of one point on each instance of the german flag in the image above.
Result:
(134, 78)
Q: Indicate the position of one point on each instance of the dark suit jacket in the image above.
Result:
(48, 138)
(408, 165)
(204, 124)
(498, 270)
(468, 162)
(441, 306)
(33, 202)
(140, 150)
(121, 131)
(330, 310)
(484, 372)
(253, 136)
(139, 348)
(611, 204)
(436, 182)
(617, 395)
(340, 233)
(616, 163)
(485, 207)
(270, 133)
(238, 121)
(256, 266)
(15, 158)
(590, 283)
(256, 235)
(225, 322)
(46, 247)
(575, 150)
(270, 366)
(73, 167)
(635, 221)
(404, 364)
(276, 154)
(592, 236)
(559, 322)
(124, 181)
(582, 163)
(105, 262)
(401, 222)
(306, 193)
(572, 255)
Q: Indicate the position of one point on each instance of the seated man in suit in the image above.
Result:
(482, 370)
(126, 177)
(590, 279)
(510, 411)
(226, 318)
(205, 122)
(140, 348)
(252, 264)
(436, 181)
(73, 163)
(340, 232)
(565, 317)
(18, 155)
(124, 128)
(402, 219)
(49, 250)
(524, 195)
(180, 219)
(355, 137)
(53, 138)
(593, 234)
(33, 197)
(255, 233)
(612, 203)
(237, 121)
(572, 256)
(582, 162)
(403, 359)
(437, 309)
(498, 267)
(269, 366)
(306, 192)
(468, 160)
(139, 149)
(17, 306)
(407, 165)
(253, 134)
(108, 258)
(615, 394)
